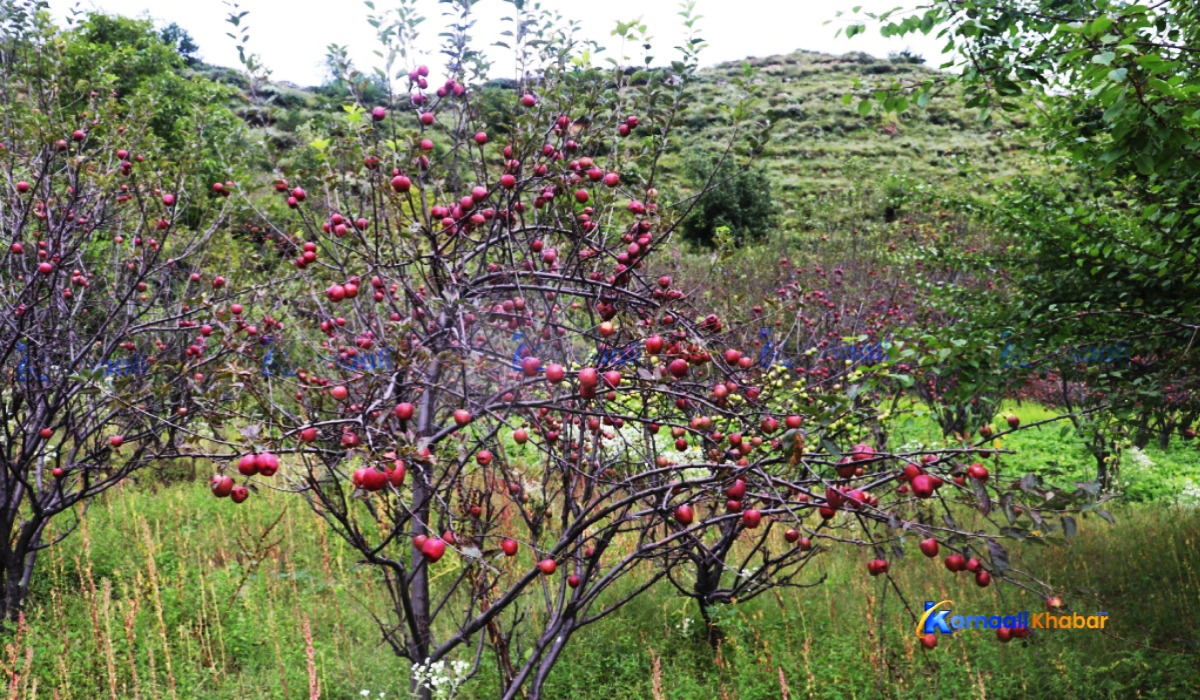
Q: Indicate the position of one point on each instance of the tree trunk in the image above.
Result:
(16, 569)
(562, 633)
(419, 583)
(708, 580)
(1164, 437)
(1100, 450)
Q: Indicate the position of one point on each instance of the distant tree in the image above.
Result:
(177, 37)
(906, 56)
(129, 59)
(744, 203)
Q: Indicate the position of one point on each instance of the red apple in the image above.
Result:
(433, 549)
(247, 465)
(922, 486)
(929, 547)
(684, 515)
(221, 485)
(395, 475)
(548, 566)
(509, 546)
(266, 463)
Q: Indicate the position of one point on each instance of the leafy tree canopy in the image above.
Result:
(744, 203)
(1109, 252)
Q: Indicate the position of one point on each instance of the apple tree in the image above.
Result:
(482, 379)
(104, 313)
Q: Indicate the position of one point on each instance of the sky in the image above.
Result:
(291, 36)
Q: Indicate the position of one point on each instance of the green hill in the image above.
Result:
(821, 146)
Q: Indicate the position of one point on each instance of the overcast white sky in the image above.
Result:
(291, 36)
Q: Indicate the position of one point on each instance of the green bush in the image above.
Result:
(744, 203)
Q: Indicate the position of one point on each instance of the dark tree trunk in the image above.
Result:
(708, 580)
(419, 583)
(1142, 435)
(1164, 437)
(1103, 455)
(18, 555)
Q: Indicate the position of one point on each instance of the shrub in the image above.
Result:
(737, 198)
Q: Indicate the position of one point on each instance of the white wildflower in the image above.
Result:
(440, 677)
(1139, 459)
(684, 627)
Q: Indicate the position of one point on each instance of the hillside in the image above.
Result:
(820, 145)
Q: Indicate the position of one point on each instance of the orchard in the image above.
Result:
(459, 328)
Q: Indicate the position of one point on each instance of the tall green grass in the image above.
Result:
(174, 594)
(1056, 453)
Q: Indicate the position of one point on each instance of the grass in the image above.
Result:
(1053, 451)
(168, 593)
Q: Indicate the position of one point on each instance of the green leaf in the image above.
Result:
(1118, 75)
(864, 107)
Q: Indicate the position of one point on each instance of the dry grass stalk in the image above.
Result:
(110, 656)
(156, 595)
(656, 676)
(130, 638)
(310, 656)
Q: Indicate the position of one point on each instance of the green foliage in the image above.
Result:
(1110, 255)
(143, 68)
(236, 594)
(742, 202)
